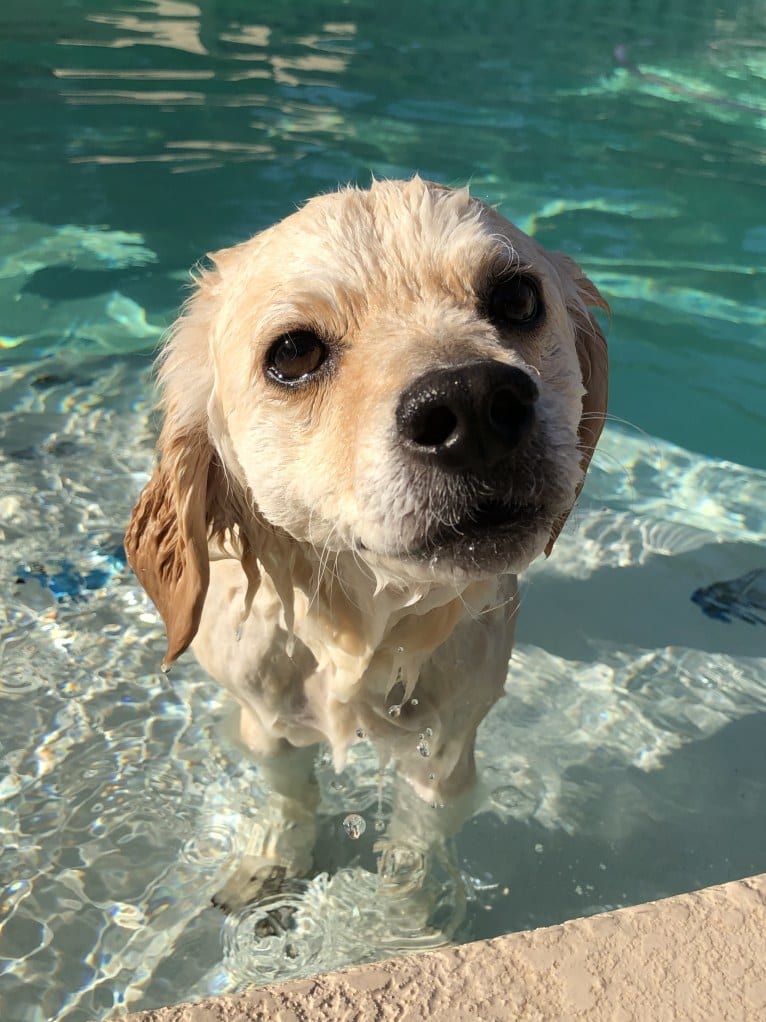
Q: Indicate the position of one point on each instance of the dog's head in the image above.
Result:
(398, 372)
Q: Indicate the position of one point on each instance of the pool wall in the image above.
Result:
(690, 957)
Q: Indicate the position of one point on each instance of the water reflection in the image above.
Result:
(172, 23)
(238, 111)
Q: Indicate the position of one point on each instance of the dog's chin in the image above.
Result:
(493, 539)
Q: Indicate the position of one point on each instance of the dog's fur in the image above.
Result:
(329, 579)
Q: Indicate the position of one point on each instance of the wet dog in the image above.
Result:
(376, 413)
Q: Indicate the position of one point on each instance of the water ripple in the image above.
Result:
(274, 939)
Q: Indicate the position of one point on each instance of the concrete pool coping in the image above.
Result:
(689, 957)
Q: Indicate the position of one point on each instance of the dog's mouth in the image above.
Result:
(490, 537)
(483, 518)
(491, 534)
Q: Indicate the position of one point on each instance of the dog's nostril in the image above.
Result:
(435, 427)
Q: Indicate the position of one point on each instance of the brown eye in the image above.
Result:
(513, 302)
(295, 356)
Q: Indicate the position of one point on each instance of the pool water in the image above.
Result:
(627, 760)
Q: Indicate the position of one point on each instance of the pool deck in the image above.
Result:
(691, 957)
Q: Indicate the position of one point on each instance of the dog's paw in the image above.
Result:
(254, 880)
(401, 869)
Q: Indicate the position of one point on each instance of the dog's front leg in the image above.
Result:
(433, 745)
(281, 843)
(420, 883)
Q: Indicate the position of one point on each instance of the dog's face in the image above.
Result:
(398, 372)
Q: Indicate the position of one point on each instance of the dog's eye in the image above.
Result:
(295, 355)
(514, 301)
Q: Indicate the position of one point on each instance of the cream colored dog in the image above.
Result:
(377, 412)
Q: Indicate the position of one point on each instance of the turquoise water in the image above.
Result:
(627, 761)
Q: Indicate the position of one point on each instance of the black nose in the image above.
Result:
(467, 416)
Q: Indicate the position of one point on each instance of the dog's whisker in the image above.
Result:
(600, 454)
(628, 423)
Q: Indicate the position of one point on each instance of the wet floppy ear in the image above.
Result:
(188, 500)
(593, 357)
(166, 539)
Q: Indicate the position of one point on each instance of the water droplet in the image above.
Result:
(538, 848)
(423, 747)
(395, 710)
(380, 826)
(361, 733)
(413, 702)
(354, 826)
(432, 777)
(400, 649)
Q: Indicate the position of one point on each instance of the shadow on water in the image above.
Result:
(694, 821)
(641, 606)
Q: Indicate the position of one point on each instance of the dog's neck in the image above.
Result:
(353, 616)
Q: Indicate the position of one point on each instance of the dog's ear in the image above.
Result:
(594, 366)
(166, 540)
(190, 500)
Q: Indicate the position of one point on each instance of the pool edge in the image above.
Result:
(690, 956)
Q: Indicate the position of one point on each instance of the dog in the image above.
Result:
(377, 412)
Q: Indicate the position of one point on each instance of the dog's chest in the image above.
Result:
(401, 665)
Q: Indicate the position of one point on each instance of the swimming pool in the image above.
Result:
(627, 760)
